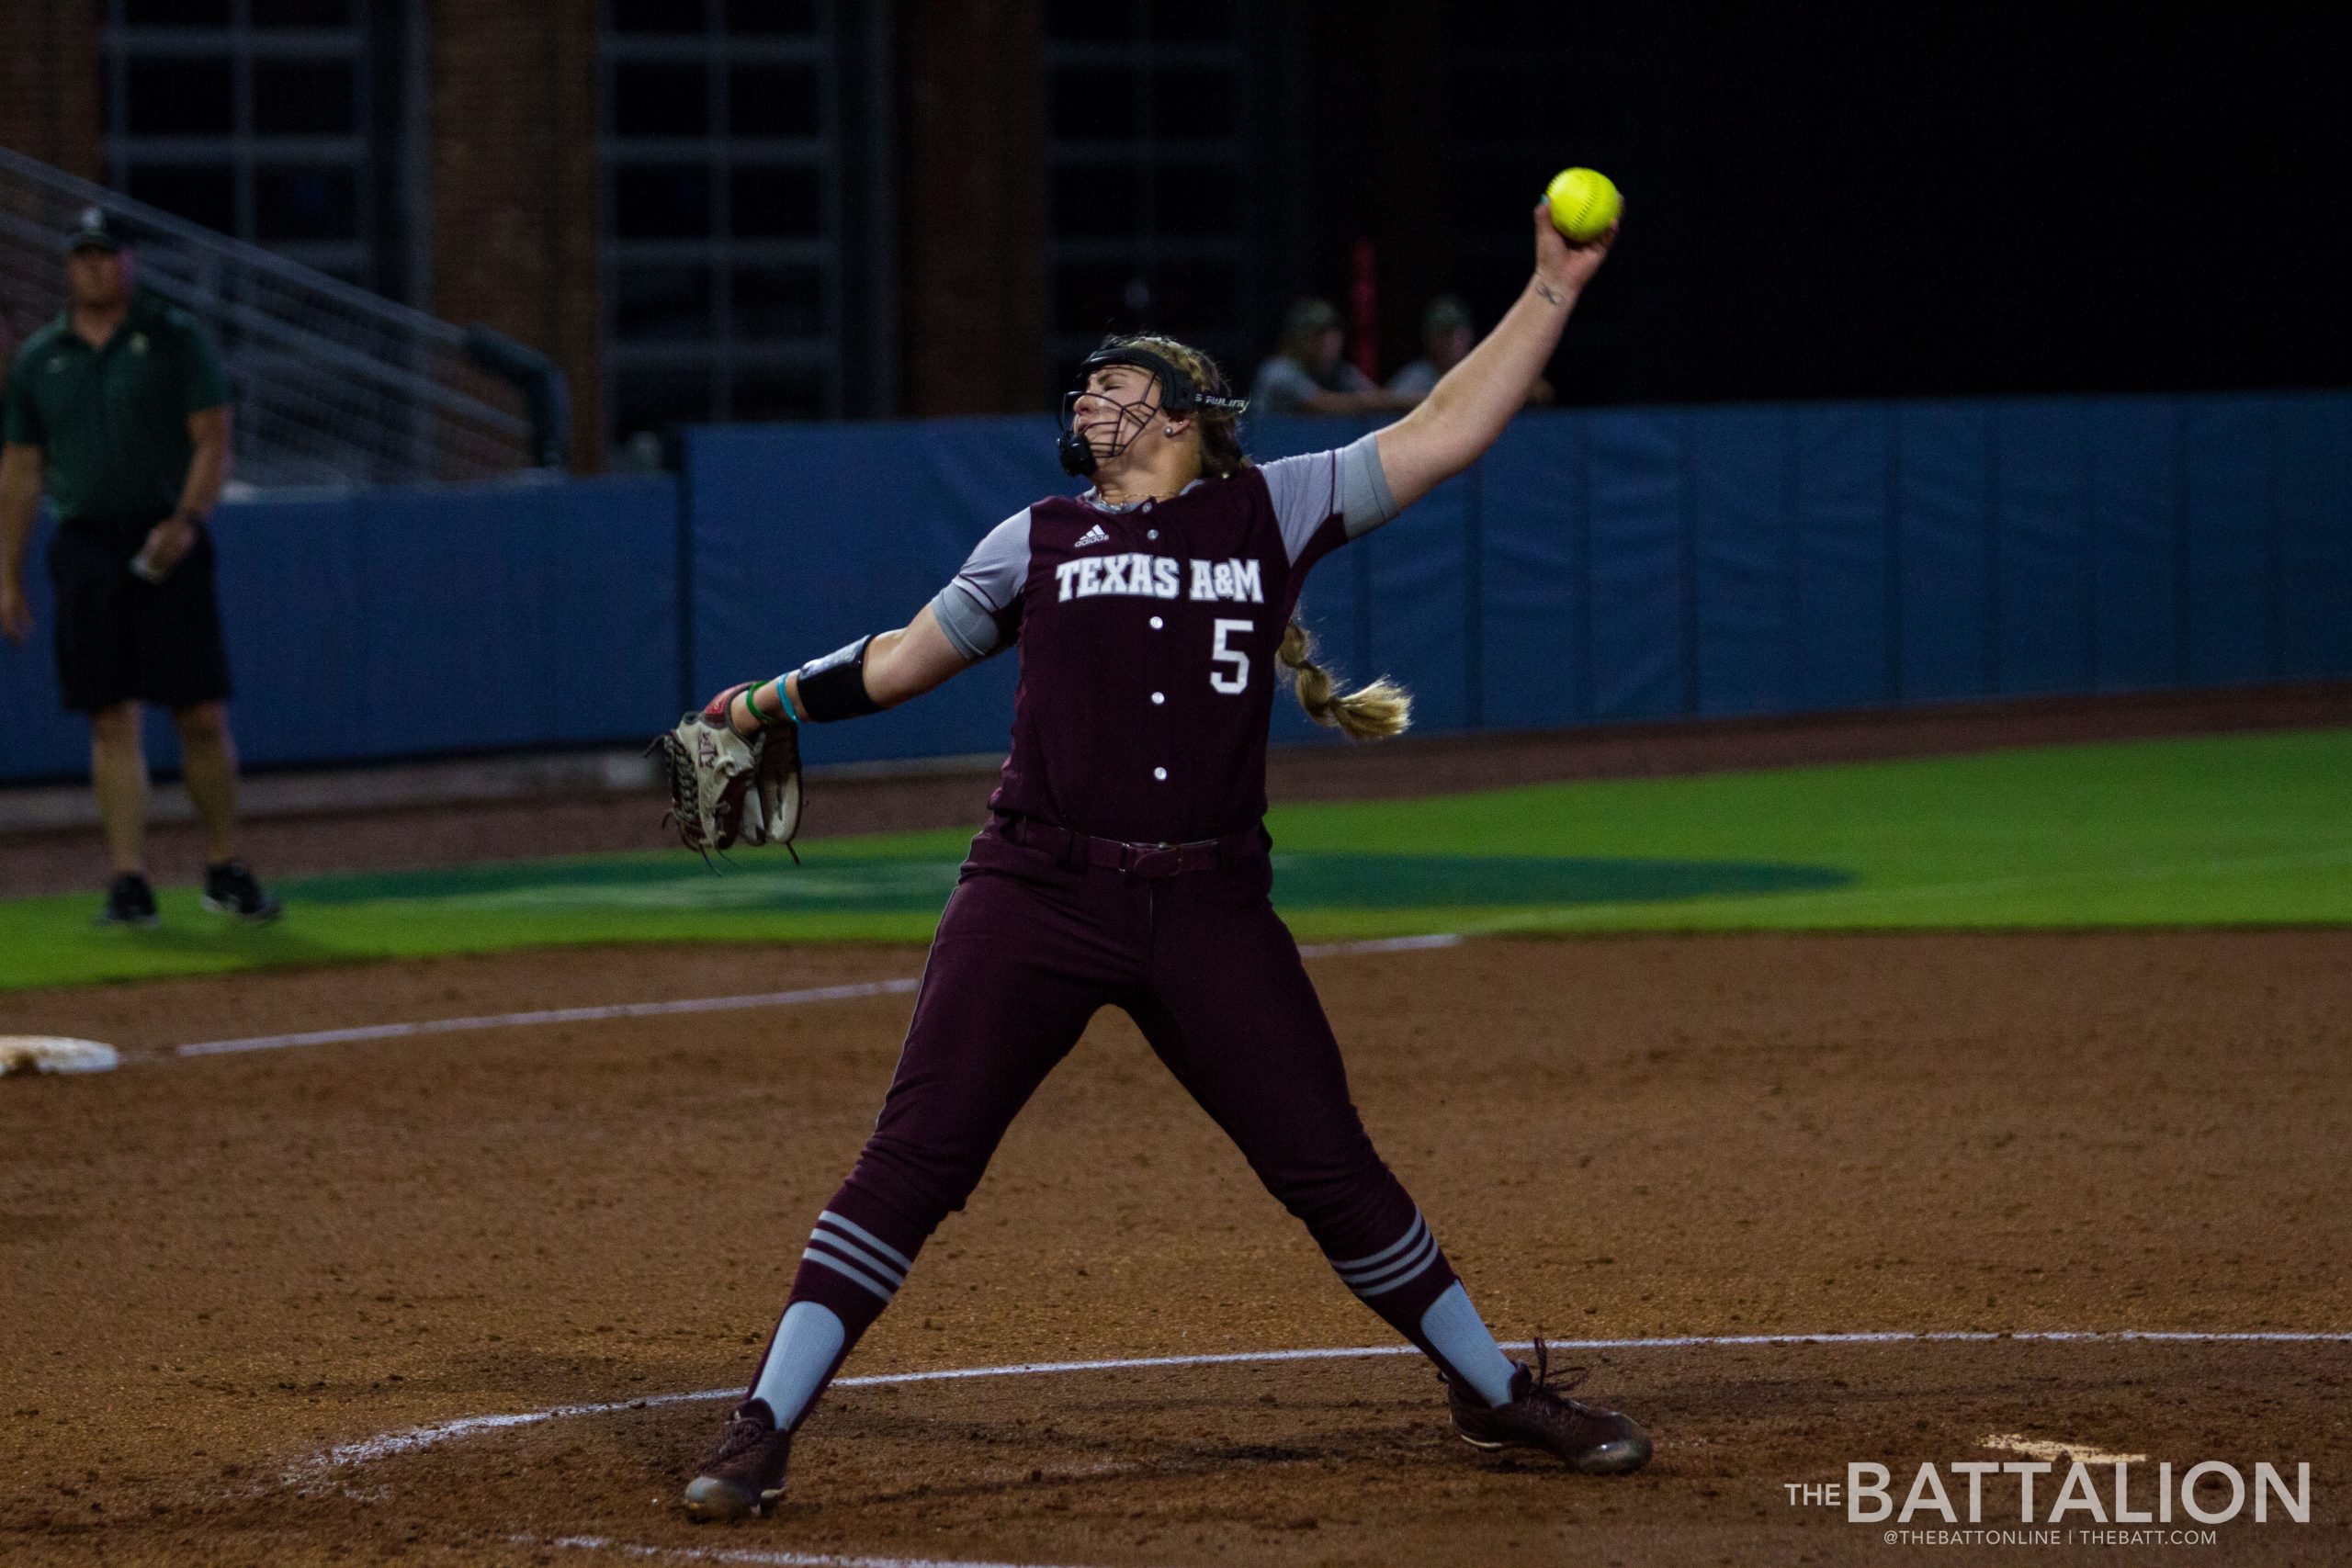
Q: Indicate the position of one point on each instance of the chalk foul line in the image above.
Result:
(694, 1004)
(416, 1439)
(548, 1015)
(754, 1555)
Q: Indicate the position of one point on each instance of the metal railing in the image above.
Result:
(332, 386)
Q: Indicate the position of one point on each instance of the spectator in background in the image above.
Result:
(1306, 374)
(1446, 339)
(121, 407)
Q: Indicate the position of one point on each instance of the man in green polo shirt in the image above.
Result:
(120, 406)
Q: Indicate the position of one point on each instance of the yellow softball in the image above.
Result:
(1584, 204)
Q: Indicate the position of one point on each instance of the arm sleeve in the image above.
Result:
(22, 416)
(1309, 492)
(981, 610)
(203, 384)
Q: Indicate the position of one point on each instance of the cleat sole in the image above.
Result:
(1622, 1456)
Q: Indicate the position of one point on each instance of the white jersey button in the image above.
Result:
(1150, 533)
(1158, 698)
(1160, 773)
(1156, 623)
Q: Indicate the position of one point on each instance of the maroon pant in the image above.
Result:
(1029, 948)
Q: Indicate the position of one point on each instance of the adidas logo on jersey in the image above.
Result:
(1095, 535)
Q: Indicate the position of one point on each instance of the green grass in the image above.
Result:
(2218, 831)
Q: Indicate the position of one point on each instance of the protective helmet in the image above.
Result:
(1179, 397)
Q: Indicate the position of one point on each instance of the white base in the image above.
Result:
(51, 1053)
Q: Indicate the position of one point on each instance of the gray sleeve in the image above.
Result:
(978, 609)
(1364, 497)
(972, 629)
(1310, 490)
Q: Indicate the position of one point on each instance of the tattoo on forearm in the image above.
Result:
(1551, 295)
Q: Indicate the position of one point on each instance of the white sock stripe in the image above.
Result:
(1363, 1277)
(1406, 1273)
(838, 1267)
(1422, 1266)
(859, 1255)
(1385, 1255)
(867, 1236)
(861, 1252)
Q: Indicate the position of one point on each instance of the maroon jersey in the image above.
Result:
(1147, 637)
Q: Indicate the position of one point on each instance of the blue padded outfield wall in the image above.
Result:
(402, 623)
(1639, 565)
(1596, 566)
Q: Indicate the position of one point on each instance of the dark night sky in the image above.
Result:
(1925, 200)
(2018, 205)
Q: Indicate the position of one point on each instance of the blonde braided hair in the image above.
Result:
(1368, 713)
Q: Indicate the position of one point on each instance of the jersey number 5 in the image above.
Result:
(1237, 680)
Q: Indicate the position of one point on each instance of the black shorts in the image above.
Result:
(120, 636)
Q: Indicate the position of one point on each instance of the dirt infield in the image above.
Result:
(218, 1269)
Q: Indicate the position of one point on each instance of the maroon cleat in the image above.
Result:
(1592, 1441)
(744, 1474)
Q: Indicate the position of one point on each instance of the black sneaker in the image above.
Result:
(129, 902)
(1539, 1415)
(230, 889)
(744, 1474)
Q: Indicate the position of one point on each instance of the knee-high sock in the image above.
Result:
(853, 1264)
(807, 1345)
(1462, 1342)
(1409, 1283)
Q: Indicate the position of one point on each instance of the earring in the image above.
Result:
(1166, 430)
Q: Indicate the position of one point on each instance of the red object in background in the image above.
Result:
(1364, 302)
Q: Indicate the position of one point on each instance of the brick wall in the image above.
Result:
(972, 182)
(514, 186)
(49, 84)
(49, 110)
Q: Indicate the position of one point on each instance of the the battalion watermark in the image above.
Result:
(2038, 1503)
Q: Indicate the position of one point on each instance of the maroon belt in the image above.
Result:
(1150, 862)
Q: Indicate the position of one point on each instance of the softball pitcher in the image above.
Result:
(1124, 864)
